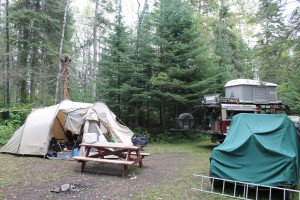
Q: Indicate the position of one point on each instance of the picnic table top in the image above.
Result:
(110, 145)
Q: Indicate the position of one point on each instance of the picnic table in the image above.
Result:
(124, 154)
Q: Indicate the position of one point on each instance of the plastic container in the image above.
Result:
(75, 152)
(64, 155)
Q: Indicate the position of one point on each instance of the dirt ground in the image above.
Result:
(99, 181)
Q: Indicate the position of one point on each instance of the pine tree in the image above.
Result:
(289, 72)
(182, 60)
(34, 38)
(116, 66)
(143, 59)
(270, 16)
(231, 52)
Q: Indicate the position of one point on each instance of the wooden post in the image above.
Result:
(65, 59)
(58, 83)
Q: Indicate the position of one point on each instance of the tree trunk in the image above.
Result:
(34, 58)
(24, 49)
(58, 80)
(7, 68)
(33, 77)
(95, 53)
(85, 69)
(1, 12)
(89, 69)
(45, 87)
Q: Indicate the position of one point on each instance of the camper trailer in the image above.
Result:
(241, 96)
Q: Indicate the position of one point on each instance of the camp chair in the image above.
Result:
(73, 139)
(54, 143)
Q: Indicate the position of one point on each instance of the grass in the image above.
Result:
(179, 183)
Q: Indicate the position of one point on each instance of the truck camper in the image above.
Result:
(241, 96)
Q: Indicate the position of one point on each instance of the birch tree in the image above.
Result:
(34, 43)
(95, 50)
(1, 13)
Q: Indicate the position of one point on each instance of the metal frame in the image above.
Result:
(204, 180)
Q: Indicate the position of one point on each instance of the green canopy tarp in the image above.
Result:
(259, 148)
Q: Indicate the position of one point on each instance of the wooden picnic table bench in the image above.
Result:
(128, 154)
(143, 154)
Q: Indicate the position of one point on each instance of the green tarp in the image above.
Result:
(259, 148)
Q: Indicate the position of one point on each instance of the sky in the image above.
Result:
(291, 5)
(129, 9)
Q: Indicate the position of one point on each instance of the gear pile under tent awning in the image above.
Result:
(259, 148)
(33, 137)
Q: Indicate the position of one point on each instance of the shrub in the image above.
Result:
(174, 137)
(8, 127)
(6, 132)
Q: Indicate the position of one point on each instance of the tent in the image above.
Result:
(33, 137)
(259, 148)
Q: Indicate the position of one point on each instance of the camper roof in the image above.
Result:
(248, 82)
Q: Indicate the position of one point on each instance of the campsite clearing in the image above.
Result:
(166, 174)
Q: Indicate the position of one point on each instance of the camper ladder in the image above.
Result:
(243, 190)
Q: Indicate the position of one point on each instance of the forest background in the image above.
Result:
(160, 64)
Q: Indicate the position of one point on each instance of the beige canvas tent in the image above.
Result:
(33, 137)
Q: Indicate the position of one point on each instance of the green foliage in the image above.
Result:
(277, 52)
(6, 132)
(270, 44)
(232, 54)
(181, 60)
(169, 137)
(178, 52)
(289, 91)
(117, 69)
(7, 127)
(35, 33)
